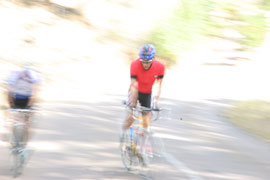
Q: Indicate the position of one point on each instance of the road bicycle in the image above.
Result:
(139, 146)
(18, 138)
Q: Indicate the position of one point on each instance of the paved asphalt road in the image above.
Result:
(75, 136)
(79, 140)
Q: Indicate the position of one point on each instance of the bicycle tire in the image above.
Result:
(19, 137)
(17, 162)
(136, 162)
(158, 147)
(144, 155)
(128, 159)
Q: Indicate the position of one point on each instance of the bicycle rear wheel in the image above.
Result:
(158, 148)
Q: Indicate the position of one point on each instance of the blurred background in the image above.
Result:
(215, 52)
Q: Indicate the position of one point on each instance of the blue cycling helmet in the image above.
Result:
(147, 52)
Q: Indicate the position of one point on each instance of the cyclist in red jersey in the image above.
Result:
(144, 72)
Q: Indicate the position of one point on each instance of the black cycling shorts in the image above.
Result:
(21, 103)
(145, 99)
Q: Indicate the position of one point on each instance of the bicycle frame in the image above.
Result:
(137, 143)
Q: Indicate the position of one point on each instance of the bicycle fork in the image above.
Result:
(132, 144)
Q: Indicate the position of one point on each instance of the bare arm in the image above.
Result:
(34, 96)
(158, 92)
(9, 95)
(133, 90)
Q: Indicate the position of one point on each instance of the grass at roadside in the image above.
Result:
(253, 116)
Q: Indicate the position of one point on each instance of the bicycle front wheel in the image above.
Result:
(17, 153)
(17, 162)
(129, 160)
(144, 154)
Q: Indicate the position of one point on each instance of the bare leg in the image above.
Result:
(133, 96)
(27, 122)
(147, 117)
(128, 122)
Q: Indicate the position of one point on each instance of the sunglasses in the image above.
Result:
(145, 61)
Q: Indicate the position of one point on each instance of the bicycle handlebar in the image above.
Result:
(20, 110)
(144, 109)
(141, 108)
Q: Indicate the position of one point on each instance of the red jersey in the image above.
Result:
(146, 78)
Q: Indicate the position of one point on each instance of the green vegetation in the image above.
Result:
(253, 116)
(193, 20)
(254, 32)
(265, 4)
(249, 22)
(182, 29)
